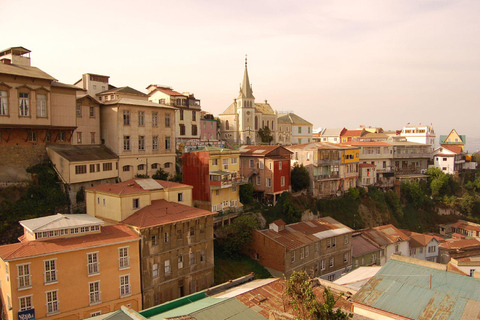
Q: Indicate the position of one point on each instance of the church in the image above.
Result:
(241, 121)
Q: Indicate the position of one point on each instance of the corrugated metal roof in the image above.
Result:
(421, 291)
(75, 153)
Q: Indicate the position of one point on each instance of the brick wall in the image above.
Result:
(14, 160)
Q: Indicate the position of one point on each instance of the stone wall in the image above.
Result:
(14, 160)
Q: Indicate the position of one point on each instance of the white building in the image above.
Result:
(421, 134)
(301, 129)
(449, 159)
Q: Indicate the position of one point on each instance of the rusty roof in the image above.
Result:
(361, 246)
(385, 235)
(457, 244)
(74, 153)
(135, 186)
(418, 240)
(352, 133)
(162, 212)
(298, 234)
(109, 235)
(418, 289)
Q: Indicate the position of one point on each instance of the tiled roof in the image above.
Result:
(109, 235)
(454, 149)
(384, 235)
(352, 133)
(298, 234)
(162, 212)
(418, 240)
(169, 91)
(74, 153)
(132, 186)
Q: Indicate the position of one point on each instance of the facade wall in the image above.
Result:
(190, 273)
(72, 286)
(88, 126)
(445, 163)
(63, 106)
(269, 253)
(208, 130)
(367, 260)
(196, 170)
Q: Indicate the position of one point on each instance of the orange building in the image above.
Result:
(69, 267)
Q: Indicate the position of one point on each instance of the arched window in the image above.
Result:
(227, 125)
(256, 123)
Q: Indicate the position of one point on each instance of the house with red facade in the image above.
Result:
(267, 168)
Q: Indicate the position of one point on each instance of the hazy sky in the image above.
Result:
(335, 63)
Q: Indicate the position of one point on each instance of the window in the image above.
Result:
(180, 261)
(280, 165)
(166, 237)
(24, 277)
(345, 241)
(48, 136)
(107, 166)
(41, 106)
(25, 303)
(50, 271)
(332, 262)
(167, 165)
(345, 257)
(124, 285)
(233, 160)
(92, 137)
(302, 253)
(194, 116)
(167, 143)
(3, 103)
(96, 313)
(61, 136)
(79, 137)
(81, 169)
(203, 257)
(32, 136)
(167, 120)
(126, 168)
(259, 180)
(154, 119)
(396, 248)
(269, 182)
(227, 125)
(374, 258)
(192, 258)
(91, 112)
(252, 163)
(225, 164)
(136, 203)
(154, 240)
(191, 231)
(167, 266)
(94, 292)
(126, 143)
(154, 143)
(126, 117)
(282, 181)
(299, 129)
(181, 114)
(323, 264)
(123, 258)
(141, 142)
(93, 265)
(182, 129)
(52, 301)
(24, 104)
(292, 257)
(334, 242)
(180, 197)
(432, 249)
(155, 270)
(307, 251)
(194, 130)
(141, 118)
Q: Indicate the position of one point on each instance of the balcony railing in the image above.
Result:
(326, 176)
(227, 183)
(327, 162)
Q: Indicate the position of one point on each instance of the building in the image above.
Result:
(35, 109)
(367, 175)
(333, 168)
(242, 120)
(352, 135)
(390, 240)
(453, 139)
(215, 176)
(87, 113)
(209, 132)
(364, 251)
(407, 288)
(419, 134)
(449, 159)
(409, 157)
(267, 168)
(331, 135)
(187, 113)
(461, 227)
(458, 248)
(301, 131)
(172, 230)
(322, 247)
(469, 266)
(70, 267)
(423, 246)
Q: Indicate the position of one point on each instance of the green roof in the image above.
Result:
(444, 137)
(177, 303)
(421, 291)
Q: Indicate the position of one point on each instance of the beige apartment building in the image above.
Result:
(35, 109)
(177, 239)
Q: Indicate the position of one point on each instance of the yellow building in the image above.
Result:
(70, 267)
(215, 176)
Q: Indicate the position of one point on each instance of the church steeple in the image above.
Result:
(246, 89)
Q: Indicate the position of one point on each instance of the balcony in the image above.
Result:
(330, 176)
(351, 174)
(227, 183)
(325, 162)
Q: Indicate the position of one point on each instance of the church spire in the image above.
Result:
(246, 89)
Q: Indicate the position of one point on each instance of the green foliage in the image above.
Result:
(450, 201)
(238, 235)
(354, 192)
(413, 193)
(467, 204)
(344, 209)
(299, 291)
(266, 135)
(246, 193)
(80, 197)
(441, 184)
(393, 202)
(160, 175)
(300, 178)
(473, 185)
(284, 209)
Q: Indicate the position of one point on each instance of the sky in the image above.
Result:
(335, 63)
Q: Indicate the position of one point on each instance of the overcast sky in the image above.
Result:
(335, 63)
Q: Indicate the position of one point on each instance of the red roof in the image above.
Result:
(455, 149)
(162, 212)
(131, 186)
(352, 133)
(108, 235)
(460, 243)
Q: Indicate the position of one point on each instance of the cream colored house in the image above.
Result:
(87, 113)
(187, 113)
(301, 131)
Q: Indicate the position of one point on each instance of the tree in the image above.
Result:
(301, 297)
(237, 236)
(300, 178)
(160, 175)
(265, 134)
(246, 193)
